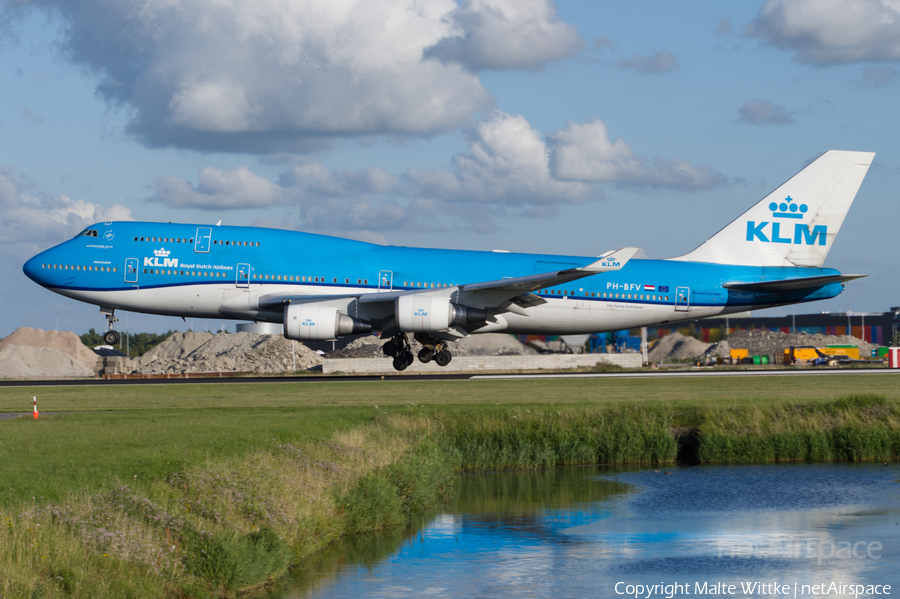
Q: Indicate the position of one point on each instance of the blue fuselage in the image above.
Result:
(195, 270)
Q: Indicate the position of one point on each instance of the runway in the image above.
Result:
(450, 377)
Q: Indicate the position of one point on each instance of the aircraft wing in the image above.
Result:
(498, 296)
(787, 285)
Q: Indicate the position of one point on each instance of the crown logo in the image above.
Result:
(161, 252)
(787, 209)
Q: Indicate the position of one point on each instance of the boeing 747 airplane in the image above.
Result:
(322, 288)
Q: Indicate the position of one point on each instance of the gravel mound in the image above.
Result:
(39, 362)
(238, 352)
(488, 344)
(773, 343)
(176, 346)
(35, 353)
(493, 344)
(64, 341)
(676, 346)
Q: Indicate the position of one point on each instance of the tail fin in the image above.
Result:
(796, 224)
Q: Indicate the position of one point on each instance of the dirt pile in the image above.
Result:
(773, 343)
(176, 346)
(488, 344)
(676, 346)
(35, 353)
(493, 344)
(238, 352)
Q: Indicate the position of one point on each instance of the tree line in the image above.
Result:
(137, 343)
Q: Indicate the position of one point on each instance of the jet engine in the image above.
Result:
(309, 322)
(430, 314)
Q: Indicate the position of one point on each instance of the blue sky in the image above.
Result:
(569, 128)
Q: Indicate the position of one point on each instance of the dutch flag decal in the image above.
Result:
(649, 288)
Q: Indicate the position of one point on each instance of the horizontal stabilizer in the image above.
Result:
(787, 285)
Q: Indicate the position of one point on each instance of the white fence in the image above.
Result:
(484, 363)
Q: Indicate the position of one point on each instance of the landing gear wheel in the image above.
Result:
(400, 350)
(111, 336)
(443, 358)
(425, 355)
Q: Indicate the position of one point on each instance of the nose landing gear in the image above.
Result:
(111, 336)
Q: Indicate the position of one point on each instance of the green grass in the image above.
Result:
(117, 432)
(51, 457)
(755, 389)
(204, 490)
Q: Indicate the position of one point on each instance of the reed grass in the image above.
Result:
(852, 428)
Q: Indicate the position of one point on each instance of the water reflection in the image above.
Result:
(577, 532)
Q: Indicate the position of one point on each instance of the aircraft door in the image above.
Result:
(131, 270)
(203, 240)
(243, 275)
(385, 280)
(682, 299)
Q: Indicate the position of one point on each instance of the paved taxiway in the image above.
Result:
(451, 377)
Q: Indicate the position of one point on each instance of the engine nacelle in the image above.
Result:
(309, 322)
(430, 314)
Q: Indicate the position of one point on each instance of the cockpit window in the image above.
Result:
(88, 233)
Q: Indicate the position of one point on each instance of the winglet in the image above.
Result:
(611, 260)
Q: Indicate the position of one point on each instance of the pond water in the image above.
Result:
(791, 530)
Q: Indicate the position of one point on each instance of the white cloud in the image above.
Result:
(508, 163)
(657, 62)
(220, 190)
(313, 177)
(831, 31)
(277, 74)
(763, 112)
(509, 170)
(29, 223)
(584, 152)
(505, 34)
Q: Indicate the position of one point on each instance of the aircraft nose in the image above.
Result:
(32, 269)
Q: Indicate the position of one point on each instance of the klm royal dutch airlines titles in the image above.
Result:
(322, 287)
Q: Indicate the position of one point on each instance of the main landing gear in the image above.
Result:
(433, 349)
(111, 336)
(399, 349)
